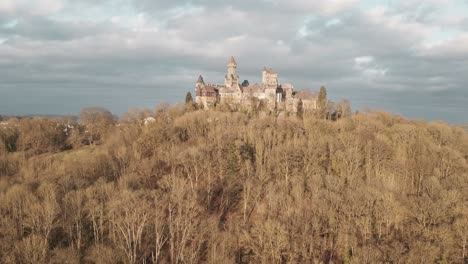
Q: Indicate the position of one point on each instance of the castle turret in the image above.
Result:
(231, 79)
(232, 62)
(270, 85)
(200, 80)
(269, 78)
(199, 86)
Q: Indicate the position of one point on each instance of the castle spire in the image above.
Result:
(232, 62)
(232, 79)
(200, 79)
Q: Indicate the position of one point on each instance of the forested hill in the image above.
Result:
(465, 127)
(231, 187)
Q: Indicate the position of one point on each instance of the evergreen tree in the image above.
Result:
(322, 102)
(189, 104)
(300, 109)
(322, 98)
(188, 99)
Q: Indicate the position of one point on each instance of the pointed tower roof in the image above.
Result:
(269, 70)
(232, 62)
(200, 79)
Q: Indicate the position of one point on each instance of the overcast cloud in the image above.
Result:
(408, 57)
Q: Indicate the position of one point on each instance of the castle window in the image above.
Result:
(279, 97)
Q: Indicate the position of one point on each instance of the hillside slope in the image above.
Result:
(222, 187)
(465, 127)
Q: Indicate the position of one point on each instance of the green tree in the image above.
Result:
(189, 105)
(188, 99)
(322, 102)
(322, 98)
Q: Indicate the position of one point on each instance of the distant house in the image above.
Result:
(275, 95)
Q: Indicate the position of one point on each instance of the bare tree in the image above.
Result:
(74, 203)
(129, 216)
(31, 250)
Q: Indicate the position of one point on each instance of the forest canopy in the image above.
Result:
(196, 186)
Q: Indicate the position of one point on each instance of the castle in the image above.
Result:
(271, 93)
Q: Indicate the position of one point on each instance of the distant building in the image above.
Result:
(276, 96)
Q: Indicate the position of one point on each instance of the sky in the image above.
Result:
(407, 57)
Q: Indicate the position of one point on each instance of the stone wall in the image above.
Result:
(206, 102)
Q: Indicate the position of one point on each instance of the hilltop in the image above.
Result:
(465, 127)
(212, 186)
(269, 95)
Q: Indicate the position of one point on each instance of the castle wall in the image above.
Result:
(309, 105)
(270, 96)
(206, 102)
(260, 96)
(230, 97)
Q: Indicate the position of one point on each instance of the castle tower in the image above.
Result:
(200, 79)
(270, 85)
(199, 84)
(269, 78)
(231, 79)
(198, 88)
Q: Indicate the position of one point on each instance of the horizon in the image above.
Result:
(405, 57)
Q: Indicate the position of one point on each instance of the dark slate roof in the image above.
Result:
(209, 90)
(200, 79)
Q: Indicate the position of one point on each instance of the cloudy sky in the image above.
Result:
(408, 57)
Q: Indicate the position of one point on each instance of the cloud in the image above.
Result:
(330, 7)
(454, 48)
(43, 28)
(333, 22)
(36, 7)
(368, 67)
(157, 48)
